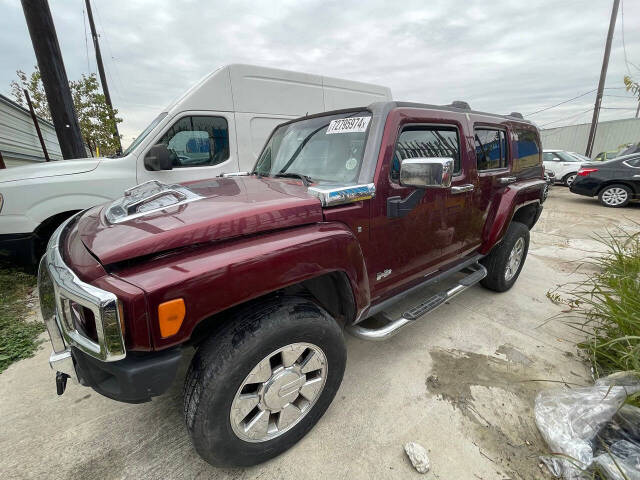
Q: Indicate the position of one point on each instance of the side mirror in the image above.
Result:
(426, 172)
(158, 158)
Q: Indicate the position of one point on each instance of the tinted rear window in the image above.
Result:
(527, 148)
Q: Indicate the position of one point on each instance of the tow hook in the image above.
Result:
(61, 382)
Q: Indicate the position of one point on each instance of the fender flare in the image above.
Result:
(218, 277)
(514, 198)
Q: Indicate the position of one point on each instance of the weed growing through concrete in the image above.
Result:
(606, 305)
(18, 337)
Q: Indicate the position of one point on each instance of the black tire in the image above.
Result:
(569, 178)
(224, 360)
(497, 261)
(612, 203)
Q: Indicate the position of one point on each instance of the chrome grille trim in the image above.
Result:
(58, 282)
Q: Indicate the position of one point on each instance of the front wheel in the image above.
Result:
(258, 386)
(506, 260)
(615, 196)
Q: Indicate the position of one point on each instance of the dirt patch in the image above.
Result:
(497, 397)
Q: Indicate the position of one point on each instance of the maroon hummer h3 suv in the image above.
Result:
(344, 214)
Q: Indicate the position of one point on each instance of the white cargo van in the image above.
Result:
(218, 126)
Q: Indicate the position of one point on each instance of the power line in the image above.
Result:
(86, 43)
(566, 118)
(561, 103)
(624, 46)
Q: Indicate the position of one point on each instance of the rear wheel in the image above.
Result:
(568, 179)
(615, 196)
(259, 385)
(506, 260)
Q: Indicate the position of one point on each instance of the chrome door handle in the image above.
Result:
(506, 180)
(462, 188)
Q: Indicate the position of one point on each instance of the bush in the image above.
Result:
(606, 305)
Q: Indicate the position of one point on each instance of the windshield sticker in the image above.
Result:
(351, 163)
(348, 125)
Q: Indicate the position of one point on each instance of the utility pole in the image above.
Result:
(36, 124)
(603, 75)
(54, 77)
(103, 77)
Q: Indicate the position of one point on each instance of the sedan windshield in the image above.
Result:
(321, 149)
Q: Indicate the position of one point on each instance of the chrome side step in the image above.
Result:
(477, 273)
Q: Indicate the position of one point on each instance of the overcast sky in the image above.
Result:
(498, 56)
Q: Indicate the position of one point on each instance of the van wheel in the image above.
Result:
(568, 179)
(261, 383)
(615, 196)
(505, 261)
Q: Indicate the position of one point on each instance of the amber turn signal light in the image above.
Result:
(170, 317)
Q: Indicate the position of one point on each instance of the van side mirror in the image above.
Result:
(158, 158)
(432, 172)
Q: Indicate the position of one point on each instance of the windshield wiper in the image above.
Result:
(305, 179)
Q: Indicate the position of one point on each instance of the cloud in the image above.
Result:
(498, 56)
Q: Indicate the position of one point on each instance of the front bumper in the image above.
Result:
(101, 363)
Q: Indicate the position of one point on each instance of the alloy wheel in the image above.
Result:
(514, 260)
(279, 391)
(570, 179)
(614, 196)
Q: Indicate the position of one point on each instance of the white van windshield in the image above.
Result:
(144, 133)
(324, 149)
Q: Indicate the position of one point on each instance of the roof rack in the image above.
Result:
(460, 104)
(516, 115)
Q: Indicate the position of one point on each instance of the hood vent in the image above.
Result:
(146, 198)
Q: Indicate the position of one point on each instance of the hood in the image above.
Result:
(226, 208)
(49, 169)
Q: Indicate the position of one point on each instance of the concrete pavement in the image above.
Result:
(460, 382)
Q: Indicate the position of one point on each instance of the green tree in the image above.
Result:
(97, 120)
(632, 86)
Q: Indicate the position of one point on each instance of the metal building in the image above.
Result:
(610, 136)
(19, 141)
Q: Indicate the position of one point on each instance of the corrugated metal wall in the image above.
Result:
(19, 142)
(609, 136)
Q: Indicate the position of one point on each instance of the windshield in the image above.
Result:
(144, 133)
(567, 157)
(325, 149)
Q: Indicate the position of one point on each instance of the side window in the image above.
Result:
(418, 141)
(634, 162)
(527, 148)
(198, 141)
(491, 148)
(550, 157)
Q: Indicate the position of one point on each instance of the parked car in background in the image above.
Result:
(579, 156)
(562, 164)
(218, 126)
(550, 179)
(604, 156)
(615, 182)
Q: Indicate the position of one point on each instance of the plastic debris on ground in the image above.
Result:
(418, 456)
(591, 427)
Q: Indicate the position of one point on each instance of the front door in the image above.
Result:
(202, 146)
(430, 228)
